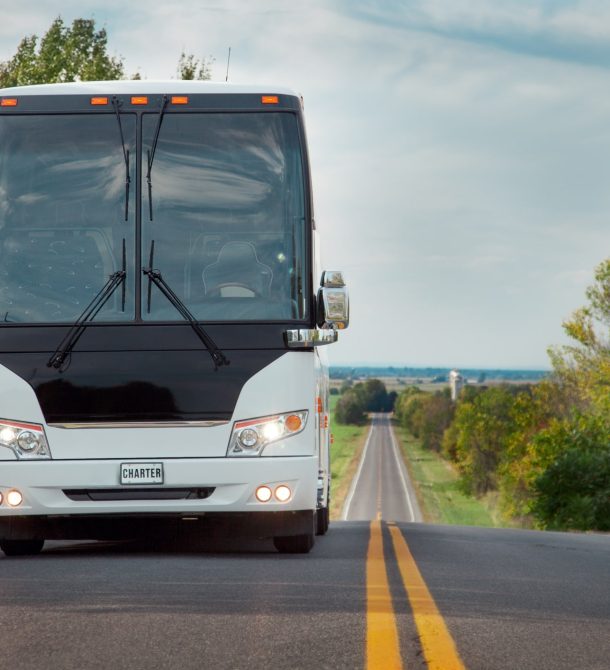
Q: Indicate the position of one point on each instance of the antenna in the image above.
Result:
(228, 62)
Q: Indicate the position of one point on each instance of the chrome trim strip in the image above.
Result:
(303, 338)
(141, 424)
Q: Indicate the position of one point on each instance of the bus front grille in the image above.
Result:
(95, 495)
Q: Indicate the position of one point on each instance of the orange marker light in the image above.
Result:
(293, 423)
(8, 102)
(270, 100)
(99, 101)
(180, 100)
(319, 404)
(139, 100)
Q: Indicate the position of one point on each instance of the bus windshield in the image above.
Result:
(62, 215)
(225, 213)
(226, 199)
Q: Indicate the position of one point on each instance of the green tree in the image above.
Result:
(425, 415)
(435, 418)
(534, 410)
(190, 67)
(407, 408)
(482, 429)
(374, 396)
(583, 368)
(63, 54)
(572, 487)
(78, 53)
(349, 409)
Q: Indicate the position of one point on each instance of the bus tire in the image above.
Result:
(294, 544)
(21, 547)
(322, 521)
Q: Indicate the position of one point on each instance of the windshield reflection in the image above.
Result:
(228, 221)
(62, 222)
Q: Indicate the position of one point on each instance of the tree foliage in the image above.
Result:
(358, 399)
(79, 53)
(190, 67)
(573, 490)
(427, 416)
(349, 409)
(63, 54)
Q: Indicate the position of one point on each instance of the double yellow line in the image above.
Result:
(382, 641)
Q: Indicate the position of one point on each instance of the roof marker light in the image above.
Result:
(8, 102)
(139, 100)
(270, 100)
(180, 100)
(99, 101)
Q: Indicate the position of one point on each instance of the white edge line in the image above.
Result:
(352, 489)
(400, 469)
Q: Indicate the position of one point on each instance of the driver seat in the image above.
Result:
(237, 273)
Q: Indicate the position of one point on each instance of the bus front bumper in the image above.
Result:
(85, 499)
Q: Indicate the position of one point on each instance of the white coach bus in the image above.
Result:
(161, 311)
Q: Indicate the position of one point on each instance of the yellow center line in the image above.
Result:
(382, 648)
(438, 646)
(379, 508)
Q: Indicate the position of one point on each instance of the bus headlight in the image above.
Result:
(250, 437)
(26, 440)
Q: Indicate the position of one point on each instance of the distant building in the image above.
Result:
(456, 383)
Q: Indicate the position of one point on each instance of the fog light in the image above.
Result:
(263, 494)
(283, 493)
(0, 499)
(14, 498)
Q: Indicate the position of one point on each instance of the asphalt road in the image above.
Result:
(510, 599)
(381, 488)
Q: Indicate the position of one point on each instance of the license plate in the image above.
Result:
(141, 473)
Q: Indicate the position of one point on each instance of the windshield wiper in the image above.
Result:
(89, 313)
(151, 154)
(155, 277)
(115, 104)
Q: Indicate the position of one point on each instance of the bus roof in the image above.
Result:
(145, 86)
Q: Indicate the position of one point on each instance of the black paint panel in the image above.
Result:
(138, 386)
(138, 372)
(138, 336)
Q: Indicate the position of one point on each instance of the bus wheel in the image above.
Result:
(294, 544)
(21, 547)
(322, 521)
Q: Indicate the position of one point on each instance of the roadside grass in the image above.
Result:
(438, 492)
(344, 458)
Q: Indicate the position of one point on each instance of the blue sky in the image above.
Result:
(460, 152)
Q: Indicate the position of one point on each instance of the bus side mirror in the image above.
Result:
(333, 301)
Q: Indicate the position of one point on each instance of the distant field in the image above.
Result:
(398, 384)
